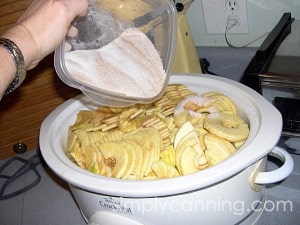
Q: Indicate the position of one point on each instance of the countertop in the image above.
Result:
(51, 203)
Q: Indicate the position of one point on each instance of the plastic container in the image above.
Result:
(105, 21)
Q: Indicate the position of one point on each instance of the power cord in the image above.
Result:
(27, 165)
(204, 63)
(233, 21)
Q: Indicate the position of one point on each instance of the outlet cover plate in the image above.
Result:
(216, 12)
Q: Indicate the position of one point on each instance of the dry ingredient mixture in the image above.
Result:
(129, 65)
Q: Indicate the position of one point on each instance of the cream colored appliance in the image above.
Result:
(186, 57)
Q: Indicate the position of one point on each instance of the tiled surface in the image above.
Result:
(48, 203)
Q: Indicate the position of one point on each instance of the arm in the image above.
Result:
(37, 33)
(7, 70)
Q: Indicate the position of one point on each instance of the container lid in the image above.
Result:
(123, 52)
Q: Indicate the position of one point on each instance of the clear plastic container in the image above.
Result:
(105, 21)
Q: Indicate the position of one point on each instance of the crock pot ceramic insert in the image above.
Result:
(265, 129)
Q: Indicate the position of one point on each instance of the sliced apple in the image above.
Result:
(72, 143)
(217, 149)
(137, 150)
(83, 138)
(91, 159)
(186, 128)
(79, 158)
(151, 143)
(189, 140)
(168, 155)
(116, 157)
(104, 170)
(147, 155)
(164, 170)
(188, 161)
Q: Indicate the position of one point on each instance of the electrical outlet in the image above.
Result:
(217, 12)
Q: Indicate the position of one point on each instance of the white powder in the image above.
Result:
(129, 65)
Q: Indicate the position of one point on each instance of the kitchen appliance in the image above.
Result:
(231, 192)
(186, 59)
(274, 72)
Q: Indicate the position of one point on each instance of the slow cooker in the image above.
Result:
(231, 192)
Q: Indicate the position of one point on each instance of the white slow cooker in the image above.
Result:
(232, 192)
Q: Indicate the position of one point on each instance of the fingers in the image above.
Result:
(73, 31)
(79, 8)
(83, 8)
(46, 23)
(68, 47)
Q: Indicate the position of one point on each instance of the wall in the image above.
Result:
(262, 16)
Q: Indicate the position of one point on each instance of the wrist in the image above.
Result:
(17, 56)
(25, 42)
(7, 70)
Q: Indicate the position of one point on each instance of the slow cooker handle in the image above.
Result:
(110, 218)
(280, 173)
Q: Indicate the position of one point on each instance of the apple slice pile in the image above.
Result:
(190, 156)
(180, 134)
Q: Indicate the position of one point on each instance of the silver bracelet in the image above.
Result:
(18, 58)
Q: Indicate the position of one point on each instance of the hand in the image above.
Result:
(43, 26)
